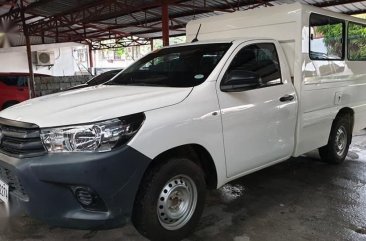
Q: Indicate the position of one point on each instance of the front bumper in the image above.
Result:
(45, 183)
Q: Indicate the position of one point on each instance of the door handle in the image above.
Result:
(287, 98)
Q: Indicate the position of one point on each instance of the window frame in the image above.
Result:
(348, 42)
(343, 37)
(245, 46)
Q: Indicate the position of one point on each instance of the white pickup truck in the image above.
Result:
(146, 145)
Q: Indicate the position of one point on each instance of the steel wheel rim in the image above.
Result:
(341, 141)
(177, 202)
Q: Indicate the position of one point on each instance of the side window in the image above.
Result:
(356, 42)
(259, 60)
(326, 38)
(10, 81)
(21, 81)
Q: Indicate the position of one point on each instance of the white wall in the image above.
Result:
(14, 59)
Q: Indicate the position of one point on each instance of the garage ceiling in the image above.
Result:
(130, 22)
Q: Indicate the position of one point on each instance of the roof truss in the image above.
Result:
(96, 20)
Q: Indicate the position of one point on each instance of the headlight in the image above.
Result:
(99, 137)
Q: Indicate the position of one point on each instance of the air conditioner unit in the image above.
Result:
(45, 58)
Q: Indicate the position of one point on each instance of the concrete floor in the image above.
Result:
(300, 199)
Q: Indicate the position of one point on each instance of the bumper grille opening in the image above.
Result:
(20, 139)
(88, 198)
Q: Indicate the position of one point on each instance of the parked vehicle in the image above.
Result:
(13, 89)
(98, 80)
(147, 144)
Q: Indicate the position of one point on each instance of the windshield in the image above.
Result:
(102, 78)
(19, 81)
(184, 66)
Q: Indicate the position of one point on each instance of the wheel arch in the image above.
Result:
(347, 111)
(198, 154)
(333, 152)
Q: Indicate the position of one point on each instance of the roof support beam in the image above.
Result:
(103, 11)
(190, 6)
(88, 20)
(171, 16)
(121, 42)
(98, 13)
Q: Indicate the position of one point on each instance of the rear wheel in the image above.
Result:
(170, 200)
(339, 141)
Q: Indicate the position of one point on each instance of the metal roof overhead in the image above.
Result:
(50, 21)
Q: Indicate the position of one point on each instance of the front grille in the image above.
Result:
(20, 139)
(12, 180)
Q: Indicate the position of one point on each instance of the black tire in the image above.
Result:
(146, 209)
(332, 153)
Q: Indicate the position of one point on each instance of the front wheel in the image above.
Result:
(170, 201)
(339, 141)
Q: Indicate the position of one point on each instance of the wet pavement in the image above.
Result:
(300, 199)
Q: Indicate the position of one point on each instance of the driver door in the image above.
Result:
(258, 120)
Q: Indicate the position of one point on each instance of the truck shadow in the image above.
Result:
(299, 199)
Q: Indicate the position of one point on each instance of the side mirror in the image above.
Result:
(240, 80)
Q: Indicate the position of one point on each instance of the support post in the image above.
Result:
(165, 23)
(152, 44)
(91, 58)
(29, 52)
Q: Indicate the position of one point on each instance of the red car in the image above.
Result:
(13, 89)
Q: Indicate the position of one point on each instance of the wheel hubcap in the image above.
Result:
(177, 202)
(341, 141)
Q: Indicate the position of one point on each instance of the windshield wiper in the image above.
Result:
(142, 84)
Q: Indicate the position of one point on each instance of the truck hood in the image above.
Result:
(93, 104)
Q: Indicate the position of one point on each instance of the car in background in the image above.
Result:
(13, 89)
(98, 80)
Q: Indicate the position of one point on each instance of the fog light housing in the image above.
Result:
(88, 198)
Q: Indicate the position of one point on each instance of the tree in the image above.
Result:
(332, 34)
(119, 52)
(356, 42)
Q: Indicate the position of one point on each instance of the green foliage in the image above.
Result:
(356, 42)
(119, 52)
(333, 39)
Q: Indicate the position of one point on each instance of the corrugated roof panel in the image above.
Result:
(134, 21)
(351, 7)
(19, 40)
(360, 5)
(53, 7)
(341, 8)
